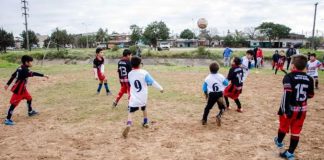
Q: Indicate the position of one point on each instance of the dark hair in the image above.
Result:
(313, 54)
(237, 61)
(250, 52)
(276, 51)
(136, 61)
(126, 52)
(26, 58)
(299, 61)
(98, 50)
(213, 67)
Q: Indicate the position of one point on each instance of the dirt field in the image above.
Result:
(74, 123)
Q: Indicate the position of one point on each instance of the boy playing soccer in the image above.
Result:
(233, 91)
(247, 63)
(19, 89)
(312, 68)
(139, 79)
(124, 67)
(298, 87)
(281, 62)
(213, 88)
(99, 70)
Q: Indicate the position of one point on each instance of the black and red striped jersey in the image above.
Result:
(21, 75)
(124, 67)
(298, 87)
(235, 75)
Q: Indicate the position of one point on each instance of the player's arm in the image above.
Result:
(95, 71)
(13, 76)
(310, 93)
(231, 75)
(151, 82)
(285, 105)
(204, 89)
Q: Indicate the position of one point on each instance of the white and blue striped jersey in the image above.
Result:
(139, 79)
(214, 83)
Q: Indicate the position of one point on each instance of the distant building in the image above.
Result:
(41, 40)
(122, 40)
(284, 42)
(18, 42)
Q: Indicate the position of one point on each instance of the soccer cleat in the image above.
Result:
(126, 131)
(287, 155)
(114, 105)
(228, 108)
(279, 145)
(145, 125)
(218, 120)
(239, 110)
(108, 93)
(203, 122)
(32, 113)
(9, 122)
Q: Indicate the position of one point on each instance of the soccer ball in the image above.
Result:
(202, 23)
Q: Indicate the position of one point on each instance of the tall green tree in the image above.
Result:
(187, 34)
(273, 31)
(136, 33)
(156, 31)
(60, 38)
(102, 35)
(33, 40)
(6, 40)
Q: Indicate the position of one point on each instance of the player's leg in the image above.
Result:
(29, 99)
(227, 102)
(284, 125)
(145, 119)
(120, 94)
(316, 82)
(276, 70)
(131, 111)
(284, 71)
(221, 107)
(14, 101)
(288, 63)
(106, 86)
(238, 104)
(210, 103)
(99, 86)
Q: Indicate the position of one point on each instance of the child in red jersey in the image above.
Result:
(281, 62)
(19, 89)
(124, 67)
(298, 87)
(99, 70)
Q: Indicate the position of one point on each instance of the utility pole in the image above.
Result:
(25, 8)
(313, 38)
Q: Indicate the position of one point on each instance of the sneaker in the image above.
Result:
(145, 125)
(114, 105)
(279, 145)
(204, 122)
(32, 113)
(109, 93)
(126, 131)
(239, 110)
(287, 155)
(9, 122)
(218, 120)
(228, 108)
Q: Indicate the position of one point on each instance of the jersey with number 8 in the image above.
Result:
(139, 79)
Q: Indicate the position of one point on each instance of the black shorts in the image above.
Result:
(134, 109)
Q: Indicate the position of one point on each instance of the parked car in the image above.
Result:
(164, 46)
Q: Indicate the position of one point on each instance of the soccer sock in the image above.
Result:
(145, 120)
(284, 71)
(238, 103)
(10, 111)
(99, 87)
(276, 71)
(29, 105)
(316, 83)
(293, 144)
(106, 86)
(281, 136)
(129, 123)
(226, 101)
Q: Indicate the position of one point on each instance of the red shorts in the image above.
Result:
(293, 124)
(279, 67)
(16, 98)
(232, 91)
(101, 76)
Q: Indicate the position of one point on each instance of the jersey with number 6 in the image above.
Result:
(214, 83)
(124, 67)
(298, 87)
(235, 75)
(139, 79)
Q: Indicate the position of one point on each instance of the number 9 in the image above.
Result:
(138, 85)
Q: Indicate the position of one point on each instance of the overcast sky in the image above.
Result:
(79, 16)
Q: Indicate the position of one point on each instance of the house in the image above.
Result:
(122, 40)
(186, 43)
(41, 40)
(282, 43)
(18, 42)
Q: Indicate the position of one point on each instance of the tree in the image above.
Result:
(60, 38)
(273, 31)
(187, 34)
(102, 35)
(156, 31)
(6, 40)
(250, 32)
(136, 33)
(33, 40)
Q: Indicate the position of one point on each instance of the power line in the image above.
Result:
(25, 8)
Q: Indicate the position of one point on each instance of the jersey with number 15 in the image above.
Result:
(124, 67)
(139, 79)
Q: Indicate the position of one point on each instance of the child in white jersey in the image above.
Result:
(213, 88)
(312, 68)
(247, 63)
(139, 80)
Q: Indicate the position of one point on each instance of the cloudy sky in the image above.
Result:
(79, 16)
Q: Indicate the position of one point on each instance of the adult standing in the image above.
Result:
(227, 56)
(290, 52)
(259, 57)
(255, 50)
(138, 51)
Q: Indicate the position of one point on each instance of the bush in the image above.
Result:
(115, 48)
(133, 49)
